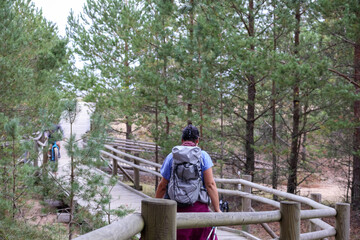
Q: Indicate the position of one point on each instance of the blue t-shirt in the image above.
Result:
(165, 169)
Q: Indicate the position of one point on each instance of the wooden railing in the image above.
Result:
(132, 145)
(159, 220)
(40, 142)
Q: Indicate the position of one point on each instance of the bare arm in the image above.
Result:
(211, 189)
(161, 189)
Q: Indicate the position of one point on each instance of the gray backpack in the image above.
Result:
(186, 185)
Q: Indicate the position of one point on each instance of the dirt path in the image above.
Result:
(330, 191)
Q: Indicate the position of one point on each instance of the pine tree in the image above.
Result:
(248, 67)
(304, 71)
(102, 37)
(33, 57)
(342, 22)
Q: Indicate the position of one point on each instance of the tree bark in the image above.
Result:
(273, 124)
(128, 128)
(72, 191)
(127, 83)
(201, 108)
(189, 110)
(156, 141)
(13, 197)
(249, 144)
(294, 155)
(222, 133)
(250, 120)
(355, 193)
(304, 137)
(274, 147)
(191, 32)
(166, 100)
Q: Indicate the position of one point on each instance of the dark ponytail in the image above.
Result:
(190, 133)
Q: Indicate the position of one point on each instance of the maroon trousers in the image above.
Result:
(195, 233)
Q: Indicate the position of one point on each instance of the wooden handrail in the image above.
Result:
(197, 220)
(42, 144)
(133, 142)
(130, 163)
(132, 149)
(250, 196)
(329, 232)
(317, 213)
(130, 145)
(267, 228)
(123, 229)
(191, 220)
(131, 156)
(38, 136)
(320, 223)
(289, 196)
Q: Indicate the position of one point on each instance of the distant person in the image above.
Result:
(188, 179)
(55, 135)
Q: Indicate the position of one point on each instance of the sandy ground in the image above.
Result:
(34, 215)
(330, 191)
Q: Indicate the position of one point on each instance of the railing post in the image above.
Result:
(342, 224)
(290, 221)
(44, 150)
(115, 165)
(45, 156)
(36, 154)
(317, 198)
(159, 218)
(137, 174)
(246, 202)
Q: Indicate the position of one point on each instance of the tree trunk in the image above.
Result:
(294, 155)
(274, 147)
(191, 32)
(127, 83)
(128, 128)
(222, 134)
(13, 197)
(72, 191)
(249, 144)
(355, 194)
(273, 123)
(201, 108)
(348, 185)
(166, 100)
(156, 141)
(304, 139)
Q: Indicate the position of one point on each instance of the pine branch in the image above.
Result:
(343, 38)
(262, 114)
(283, 141)
(241, 17)
(258, 7)
(239, 115)
(285, 123)
(345, 77)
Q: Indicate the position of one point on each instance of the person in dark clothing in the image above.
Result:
(55, 135)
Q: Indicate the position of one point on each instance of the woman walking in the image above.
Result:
(189, 165)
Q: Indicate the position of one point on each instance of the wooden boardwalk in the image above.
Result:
(122, 195)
